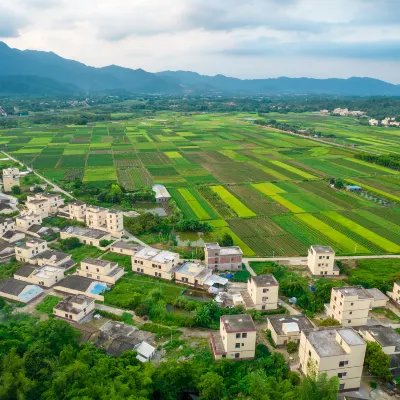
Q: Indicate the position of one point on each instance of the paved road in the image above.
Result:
(55, 187)
(302, 260)
(113, 310)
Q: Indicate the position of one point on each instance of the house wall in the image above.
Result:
(283, 340)
(85, 240)
(73, 291)
(264, 297)
(9, 182)
(321, 263)
(75, 317)
(126, 252)
(159, 270)
(395, 294)
(191, 280)
(379, 304)
(6, 227)
(247, 344)
(76, 212)
(349, 310)
(330, 365)
(99, 273)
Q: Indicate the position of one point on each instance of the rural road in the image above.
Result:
(302, 260)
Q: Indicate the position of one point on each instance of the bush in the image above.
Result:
(110, 315)
(329, 322)
(142, 309)
(262, 351)
(16, 190)
(269, 338)
(292, 347)
(70, 243)
(159, 330)
(241, 276)
(47, 305)
(105, 243)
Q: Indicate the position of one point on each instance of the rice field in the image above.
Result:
(268, 189)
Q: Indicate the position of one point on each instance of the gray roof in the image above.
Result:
(323, 340)
(377, 294)
(265, 280)
(5, 219)
(11, 234)
(384, 335)
(75, 282)
(85, 232)
(95, 261)
(358, 291)
(13, 286)
(127, 246)
(26, 270)
(322, 249)
(53, 254)
(68, 303)
(238, 323)
(277, 322)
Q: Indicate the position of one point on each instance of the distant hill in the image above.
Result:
(39, 72)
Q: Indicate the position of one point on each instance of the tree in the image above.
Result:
(226, 240)
(142, 309)
(377, 362)
(70, 243)
(37, 189)
(292, 347)
(16, 190)
(339, 184)
(318, 386)
(329, 322)
(211, 386)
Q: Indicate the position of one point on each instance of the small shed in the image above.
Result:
(380, 300)
(353, 188)
(161, 193)
(145, 351)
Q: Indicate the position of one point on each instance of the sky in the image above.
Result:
(240, 38)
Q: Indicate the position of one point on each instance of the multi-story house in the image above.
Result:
(394, 295)
(110, 221)
(10, 178)
(44, 204)
(26, 251)
(46, 276)
(155, 262)
(321, 261)
(192, 274)
(336, 351)
(101, 270)
(6, 224)
(91, 237)
(77, 210)
(24, 222)
(263, 292)
(350, 305)
(236, 338)
(74, 308)
(127, 249)
(223, 258)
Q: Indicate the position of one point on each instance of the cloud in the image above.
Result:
(10, 23)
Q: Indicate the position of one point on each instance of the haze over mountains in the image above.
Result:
(45, 73)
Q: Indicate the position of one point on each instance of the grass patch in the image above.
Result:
(47, 305)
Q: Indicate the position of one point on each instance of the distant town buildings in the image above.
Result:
(344, 112)
(321, 261)
(336, 351)
(223, 258)
(236, 338)
(388, 121)
(10, 178)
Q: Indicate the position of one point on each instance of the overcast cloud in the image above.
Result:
(242, 38)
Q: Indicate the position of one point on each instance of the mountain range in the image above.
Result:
(45, 73)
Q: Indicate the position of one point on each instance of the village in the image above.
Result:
(336, 347)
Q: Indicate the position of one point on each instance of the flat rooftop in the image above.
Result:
(278, 323)
(191, 269)
(238, 323)
(52, 255)
(384, 335)
(127, 246)
(160, 191)
(377, 294)
(322, 249)
(357, 291)
(230, 251)
(324, 341)
(70, 302)
(160, 256)
(84, 232)
(76, 282)
(95, 261)
(264, 280)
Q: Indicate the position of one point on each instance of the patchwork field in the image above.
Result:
(268, 189)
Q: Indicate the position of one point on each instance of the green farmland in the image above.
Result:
(268, 189)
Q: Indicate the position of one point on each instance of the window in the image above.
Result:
(238, 336)
(352, 304)
(320, 257)
(341, 374)
(335, 298)
(327, 257)
(341, 387)
(237, 345)
(349, 321)
(262, 307)
(351, 312)
(237, 355)
(343, 363)
(97, 270)
(264, 298)
(244, 335)
(309, 353)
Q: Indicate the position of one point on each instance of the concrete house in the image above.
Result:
(394, 295)
(223, 258)
(91, 237)
(75, 284)
(44, 276)
(6, 224)
(74, 308)
(263, 292)
(44, 204)
(385, 336)
(10, 178)
(236, 338)
(350, 305)
(101, 270)
(321, 261)
(22, 292)
(125, 248)
(106, 220)
(13, 236)
(380, 300)
(24, 223)
(155, 262)
(285, 329)
(336, 351)
(77, 210)
(53, 258)
(192, 274)
(26, 251)
(161, 193)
